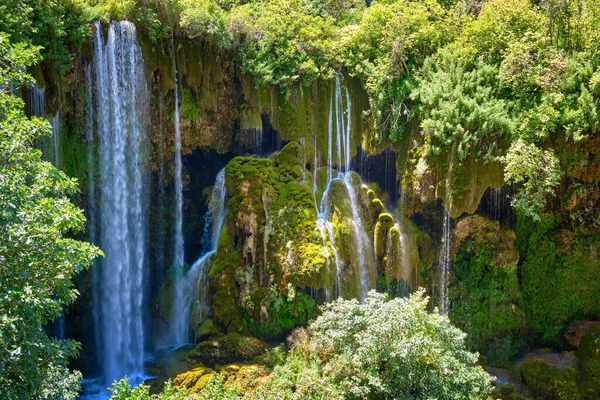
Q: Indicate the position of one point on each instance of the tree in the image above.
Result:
(38, 257)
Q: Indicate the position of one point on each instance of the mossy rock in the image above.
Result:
(207, 330)
(551, 375)
(195, 379)
(384, 223)
(227, 349)
(486, 232)
(588, 356)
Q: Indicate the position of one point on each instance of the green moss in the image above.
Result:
(557, 287)
(384, 223)
(550, 379)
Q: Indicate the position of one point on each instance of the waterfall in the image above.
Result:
(119, 103)
(56, 139)
(196, 289)
(37, 101)
(258, 141)
(444, 262)
(340, 121)
(180, 332)
(91, 203)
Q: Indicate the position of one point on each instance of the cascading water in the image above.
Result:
(180, 328)
(342, 116)
(56, 139)
(196, 288)
(37, 101)
(120, 102)
(444, 263)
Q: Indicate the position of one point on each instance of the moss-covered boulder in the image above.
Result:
(551, 375)
(227, 349)
(195, 379)
(588, 356)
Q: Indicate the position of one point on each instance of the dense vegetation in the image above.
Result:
(500, 78)
(514, 82)
(381, 349)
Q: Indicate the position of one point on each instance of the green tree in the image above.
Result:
(38, 257)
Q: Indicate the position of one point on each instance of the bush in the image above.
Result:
(381, 349)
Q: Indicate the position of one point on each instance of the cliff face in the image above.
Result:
(290, 238)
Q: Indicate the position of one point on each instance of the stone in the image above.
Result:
(227, 349)
(551, 375)
(572, 334)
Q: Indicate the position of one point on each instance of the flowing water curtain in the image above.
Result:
(121, 106)
(339, 156)
(180, 329)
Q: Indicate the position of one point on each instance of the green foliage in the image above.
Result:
(538, 173)
(215, 389)
(283, 43)
(379, 349)
(206, 18)
(38, 258)
(285, 313)
(460, 104)
(565, 274)
(386, 47)
(121, 390)
(56, 25)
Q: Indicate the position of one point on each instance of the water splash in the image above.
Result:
(120, 99)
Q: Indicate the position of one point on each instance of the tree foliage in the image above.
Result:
(383, 348)
(38, 257)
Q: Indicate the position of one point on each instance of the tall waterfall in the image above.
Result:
(339, 154)
(119, 104)
(196, 288)
(180, 335)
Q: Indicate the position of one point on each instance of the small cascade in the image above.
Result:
(339, 154)
(180, 336)
(120, 101)
(37, 101)
(56, 125)
(444, 262)
(196, 288)
(258, 142)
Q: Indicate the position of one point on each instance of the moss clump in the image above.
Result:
(557, 286)
(551, 376)
(485, 292)
(195, 379)
(384, 223)
(207, 330)
(375, 208)
(588, 356)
